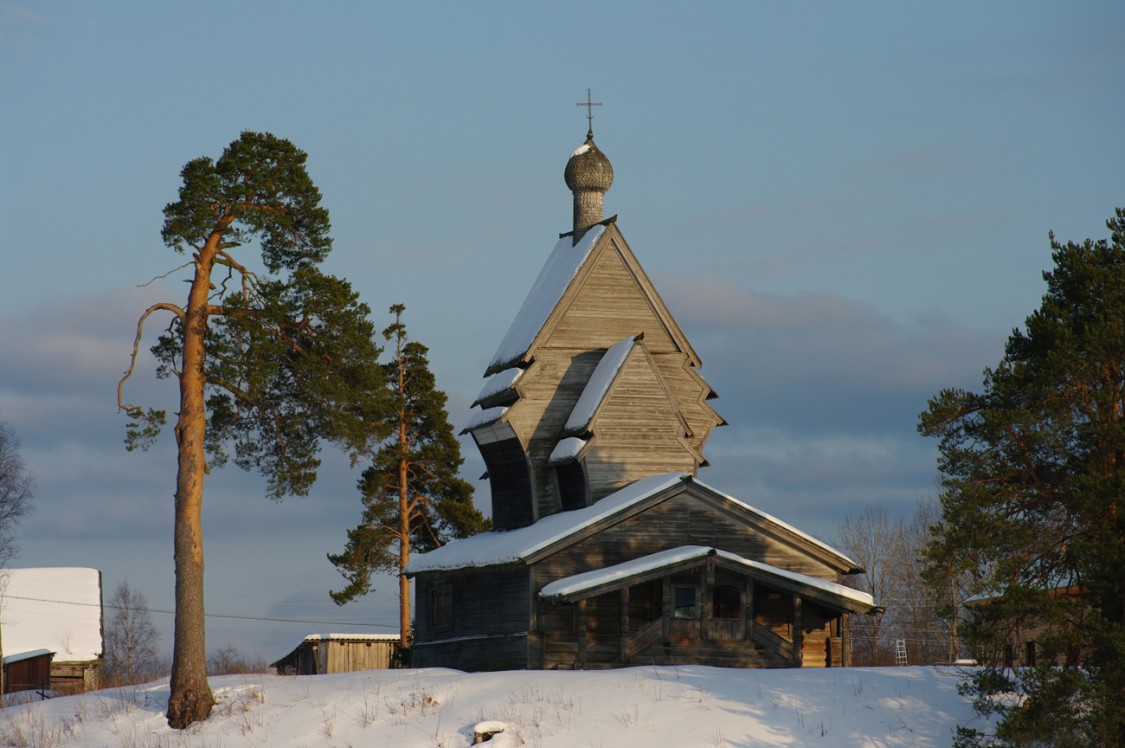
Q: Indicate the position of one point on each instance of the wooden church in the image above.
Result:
(606, 550)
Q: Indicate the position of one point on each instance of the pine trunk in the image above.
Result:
(191, 699)
(404, 526)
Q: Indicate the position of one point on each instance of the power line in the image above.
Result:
(110, 606)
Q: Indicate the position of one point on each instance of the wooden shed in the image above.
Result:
(28, 671)
(58, 609)
(318, 654)
(606, 549)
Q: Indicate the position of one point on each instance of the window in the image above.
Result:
(1030, 659)
(726, 601)
(441, 605)
(572, 485)
(684, 602)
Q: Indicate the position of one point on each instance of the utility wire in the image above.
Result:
(110, 606)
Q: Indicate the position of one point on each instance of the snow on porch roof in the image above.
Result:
(495, 548)
(562, 265)
(572, 587)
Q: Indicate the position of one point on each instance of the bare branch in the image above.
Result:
(165, 275)
(249, 278)
(163, 306)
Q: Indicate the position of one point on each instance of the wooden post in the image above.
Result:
(624, 625)
(535, 649)
(798, 633)
(705, 631)
(748, 610)
(581, 657)
(666, 625)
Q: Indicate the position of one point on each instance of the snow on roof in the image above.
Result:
(485, 417)
(598, 577)
(824, 585)
(784, 525)
(353, 637)
(563, 264)
(566, 449)
(592, 579)
(20, 656)
(580, 150)
(499, 382)
(338, 638)
(493, 548)
(59, 609)
(594, 392)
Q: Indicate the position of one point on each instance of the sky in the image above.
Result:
(846, 207)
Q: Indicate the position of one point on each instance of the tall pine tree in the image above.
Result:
(1033, 474)
(272, 357)
(412, 497)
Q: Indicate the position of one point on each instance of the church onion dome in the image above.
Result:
(588, 169)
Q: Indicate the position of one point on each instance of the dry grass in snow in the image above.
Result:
(637, 707)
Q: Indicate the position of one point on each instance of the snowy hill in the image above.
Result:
(629, 708)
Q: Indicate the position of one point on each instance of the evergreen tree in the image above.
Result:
(268, 362)
(412, 497)
(1033, 472)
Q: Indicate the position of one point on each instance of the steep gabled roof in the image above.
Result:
(59, 609)
(562, 265)
(531, 543)
(560, 278)
(654, 565)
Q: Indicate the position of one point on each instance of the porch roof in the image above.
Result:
(656, 565)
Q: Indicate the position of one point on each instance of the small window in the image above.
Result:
(726, 601)
(572, 486)
(1030, 658)
(684, 603)
(441, 605)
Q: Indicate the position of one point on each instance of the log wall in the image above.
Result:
(490, 609)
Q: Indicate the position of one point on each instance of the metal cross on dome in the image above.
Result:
(589, 103)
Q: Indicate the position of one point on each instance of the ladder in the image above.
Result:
(900, 651)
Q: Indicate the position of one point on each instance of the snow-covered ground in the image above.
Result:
(631, 708)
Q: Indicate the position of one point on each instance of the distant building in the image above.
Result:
(318, 654)
(606, 549)
(1018, 639)
(58, 610)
